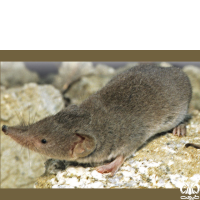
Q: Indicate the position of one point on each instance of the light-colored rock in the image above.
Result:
(86, 86)
(79, 80)
(165, 64)
(14, 74)
(70, 72)
(105, 70)
(31, 103)
(126, 67)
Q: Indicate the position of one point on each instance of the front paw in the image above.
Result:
(53, 166)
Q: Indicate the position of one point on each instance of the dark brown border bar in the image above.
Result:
(99, 55)
(92, 194)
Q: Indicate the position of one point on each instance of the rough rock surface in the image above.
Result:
(78, 80)
(70, 72)
(15, 74)
(31, 103)
(86, 86)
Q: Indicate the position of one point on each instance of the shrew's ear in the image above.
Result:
(84, 146)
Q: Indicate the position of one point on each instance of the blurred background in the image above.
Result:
(44, 68)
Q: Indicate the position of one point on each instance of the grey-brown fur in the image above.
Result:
(117, 120)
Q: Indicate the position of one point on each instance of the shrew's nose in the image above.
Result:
(4, 128)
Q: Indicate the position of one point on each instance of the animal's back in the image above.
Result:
(148, 92)
(146, 84)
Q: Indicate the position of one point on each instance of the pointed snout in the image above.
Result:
(5, 129)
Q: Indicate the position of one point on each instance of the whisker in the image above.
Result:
(29, 158)
(29, 117)
(21, 150)
(36, 150)
(34, 118)
(21, 120)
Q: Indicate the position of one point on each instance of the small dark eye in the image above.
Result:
(43, 141)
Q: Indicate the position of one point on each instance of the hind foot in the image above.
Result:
(111, 167)
(180, 130)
